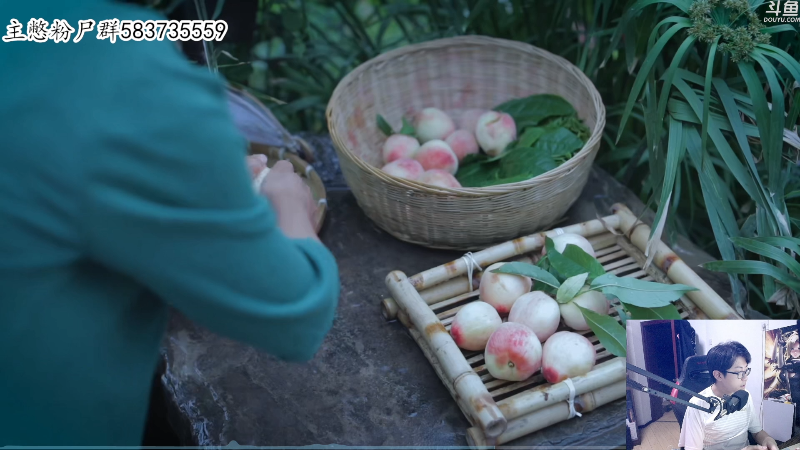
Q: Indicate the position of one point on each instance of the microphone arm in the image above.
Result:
(713, 401)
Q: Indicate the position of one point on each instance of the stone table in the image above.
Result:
(369, 384)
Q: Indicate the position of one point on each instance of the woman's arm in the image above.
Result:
(168, 201)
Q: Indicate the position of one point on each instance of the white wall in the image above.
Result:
(641, 401)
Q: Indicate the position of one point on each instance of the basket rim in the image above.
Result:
(591, 146)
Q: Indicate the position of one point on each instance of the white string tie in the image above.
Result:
(572, 411)
(471, 264)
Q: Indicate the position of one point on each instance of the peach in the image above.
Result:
(513, 352)
(432, 123)
(469, 119)
(463, 143)
(407, 168)
(561, 241)
(399, 146)
(474, 324)
(567, 355)
(437, 154)
(495, 131)
(438, 177)
(501, 290)
(537, 311)
(592, 300)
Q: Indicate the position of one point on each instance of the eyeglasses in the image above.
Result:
(741, 375)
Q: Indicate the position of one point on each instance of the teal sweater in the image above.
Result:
(124, 190)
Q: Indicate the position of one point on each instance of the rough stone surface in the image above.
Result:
(369, 384)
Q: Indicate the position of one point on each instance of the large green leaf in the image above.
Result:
(570, 288)
(531, 110)
(678, 60)
(565, 267)
(669, 312)
(608, 331)
(585, 260)
(645, 294)
(530, 271)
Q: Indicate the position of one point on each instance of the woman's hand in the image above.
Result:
(292, 200)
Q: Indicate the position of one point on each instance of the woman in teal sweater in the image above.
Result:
(124, 190)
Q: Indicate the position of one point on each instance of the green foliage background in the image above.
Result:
(649, 61)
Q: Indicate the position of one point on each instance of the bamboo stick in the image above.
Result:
(550, 415)
(468, 386)
(527, 402)
(709, 301)
(502, 252)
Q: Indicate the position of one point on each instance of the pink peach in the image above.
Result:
(399, 146)
(567, 355)
(407, 168)
(432, 123)
(437, 154)
(463, 143)
(513, 352)
(537, 311)
(469, 119)
(438, 177)
(495, 131)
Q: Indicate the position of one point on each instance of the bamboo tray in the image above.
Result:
(501, 411)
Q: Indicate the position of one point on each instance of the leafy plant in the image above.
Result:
(719, 116)
(567, 275)
(549, 133)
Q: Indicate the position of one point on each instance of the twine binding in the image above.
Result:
(572, 411)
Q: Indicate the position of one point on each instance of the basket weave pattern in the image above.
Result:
(457, 74)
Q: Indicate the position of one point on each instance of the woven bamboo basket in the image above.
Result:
(275, 145)
(456, 74)
(501, 411)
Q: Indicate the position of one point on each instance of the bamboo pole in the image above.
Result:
(506, 250)
(550, 415)
(527, 402)
(678, 271)
(466, 383)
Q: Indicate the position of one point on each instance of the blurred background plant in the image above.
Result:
(729, 183)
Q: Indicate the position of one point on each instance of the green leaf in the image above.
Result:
(530, 136)
(768, 251)
(408, 128)
(585, 260)
(558, 142)
(530, 111)
(384, 126)
(530, 271)
(754, 268)
(608, 331)
(683, 5)
(218, 9)
(675, 152)
(526, 162)
(669, 312)
(565, 267)
(647, 65)
(570, 288)
(642, 293)
(792, 243)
